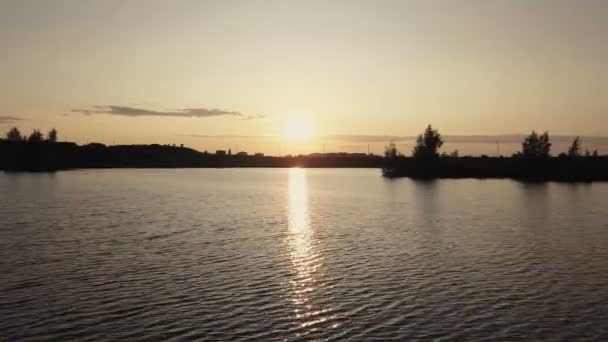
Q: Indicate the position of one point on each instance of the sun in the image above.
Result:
(297, 128)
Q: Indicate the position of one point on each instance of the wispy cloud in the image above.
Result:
(470, 139)
(253, 117)
(9, 119)
(338, 137)
(357, 138)
(227, 136)
(186, 112)
(370, 139)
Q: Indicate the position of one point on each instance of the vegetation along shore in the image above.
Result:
(534, 162)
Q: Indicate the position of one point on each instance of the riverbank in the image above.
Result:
(580, 169)
(48, 157)
(45, 156)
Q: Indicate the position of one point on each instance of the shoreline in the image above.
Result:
(63, 156)
(558, 169)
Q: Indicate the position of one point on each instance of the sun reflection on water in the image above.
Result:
(300, 236)
(305, 259)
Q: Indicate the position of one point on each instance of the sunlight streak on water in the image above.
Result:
(304, 258)
(300, 237)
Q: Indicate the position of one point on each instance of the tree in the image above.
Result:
(14, 135)
(52, 137)
(536, 146)
(390, 151)
(454, 154)
(428, 144)
(575, 149)
(595, 154)
(36, 136)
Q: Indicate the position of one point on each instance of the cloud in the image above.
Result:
(9, 119)
(253, 117)
(226, 136)
(472, 145)
(354, 138)
(470, 139)
(516, 138)
(351, 139)
(339, 137)
(186, 112)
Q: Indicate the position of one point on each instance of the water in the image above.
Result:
(294, 254)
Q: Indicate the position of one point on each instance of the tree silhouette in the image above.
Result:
(390, 151)
(14, 135)
(52, 137)
(536, 146)
(36, 136)
(575, 149)
(428, 144)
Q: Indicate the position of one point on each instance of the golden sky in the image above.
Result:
(216, 74)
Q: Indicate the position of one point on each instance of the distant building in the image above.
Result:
(242, 154)
(220, 152)
(258, 154)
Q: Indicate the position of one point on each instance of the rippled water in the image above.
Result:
(295, 254)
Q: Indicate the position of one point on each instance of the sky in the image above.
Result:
(235, 74)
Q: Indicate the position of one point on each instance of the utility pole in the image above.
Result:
(497, 149)
(368, 149)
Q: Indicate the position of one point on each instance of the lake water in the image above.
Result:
(299, 254)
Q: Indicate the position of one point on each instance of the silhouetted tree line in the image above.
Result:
(37, 153)
(533, 162)
(14, 135)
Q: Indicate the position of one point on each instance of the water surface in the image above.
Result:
(299, 254)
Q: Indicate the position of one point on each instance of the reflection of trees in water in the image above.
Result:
(428, 216)
(425, 196)
(536, 199)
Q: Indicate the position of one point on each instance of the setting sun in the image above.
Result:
(297, 128)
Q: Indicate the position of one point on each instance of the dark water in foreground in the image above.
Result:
(293, 254)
